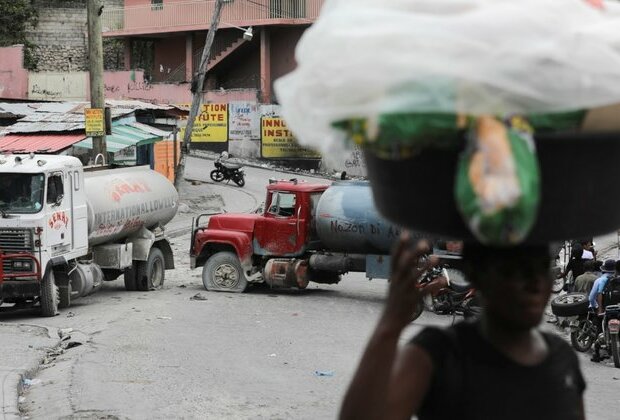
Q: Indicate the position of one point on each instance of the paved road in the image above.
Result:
(163, 355)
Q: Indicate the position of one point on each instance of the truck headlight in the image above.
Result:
(22, 265)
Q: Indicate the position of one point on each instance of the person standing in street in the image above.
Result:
(584, 282)
(498, 367)
(574, 266)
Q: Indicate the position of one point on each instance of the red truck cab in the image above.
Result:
(233, 248)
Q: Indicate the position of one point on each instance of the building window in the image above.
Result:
(157, 4)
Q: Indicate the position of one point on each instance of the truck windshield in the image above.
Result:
(21, 193)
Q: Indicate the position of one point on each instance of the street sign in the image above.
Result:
(95, 122)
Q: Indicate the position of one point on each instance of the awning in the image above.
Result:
(43, 143)
(123, 136)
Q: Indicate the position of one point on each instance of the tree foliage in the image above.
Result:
(16, 17)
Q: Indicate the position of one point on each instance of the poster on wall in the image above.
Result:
(243, 121)
(211, 125)
(277, 142)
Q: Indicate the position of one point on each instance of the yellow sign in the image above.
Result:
(278, 142)
(95, 122)
(211, 125)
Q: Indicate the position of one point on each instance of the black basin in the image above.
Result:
(580, 185)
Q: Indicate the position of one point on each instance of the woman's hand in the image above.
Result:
(408, 265)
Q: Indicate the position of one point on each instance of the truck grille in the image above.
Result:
(13, 241)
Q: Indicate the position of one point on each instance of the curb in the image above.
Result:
(12, 382)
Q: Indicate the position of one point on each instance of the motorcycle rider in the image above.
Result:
(610, 269)
(500, 366)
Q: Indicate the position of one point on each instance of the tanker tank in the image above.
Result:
(348, 221)
(122, 200)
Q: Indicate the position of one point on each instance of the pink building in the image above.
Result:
(166, 38)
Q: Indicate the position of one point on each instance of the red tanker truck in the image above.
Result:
(307, 232)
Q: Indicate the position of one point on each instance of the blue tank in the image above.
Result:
(348, 221)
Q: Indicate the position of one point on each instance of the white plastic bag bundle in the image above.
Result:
(364, 58)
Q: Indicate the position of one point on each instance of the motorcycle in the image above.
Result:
(611, 322)
(225, 171)
(585, 331)
(450, 294)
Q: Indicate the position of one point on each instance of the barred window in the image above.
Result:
(157, 4)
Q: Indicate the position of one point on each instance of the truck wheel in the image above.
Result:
(130, 279)
(223, 273)
(49, 295)
(570, 304)
(150, 274)
(64, 296)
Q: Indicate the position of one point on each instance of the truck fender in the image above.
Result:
(212, 241)
(142, 242)
(60, 265)
(164, 246)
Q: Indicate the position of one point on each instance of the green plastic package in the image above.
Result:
(497, 186)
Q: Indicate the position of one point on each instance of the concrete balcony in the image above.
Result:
(179, 16)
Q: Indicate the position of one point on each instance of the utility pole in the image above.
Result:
(95, 64)
(198, 86)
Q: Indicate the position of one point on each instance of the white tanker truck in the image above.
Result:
(64, 229)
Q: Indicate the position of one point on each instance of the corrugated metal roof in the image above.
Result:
(18, 109)
(50, 143)
(135, 105)
(57, 117)
(66, 116)
(123, 136)
(153, 130)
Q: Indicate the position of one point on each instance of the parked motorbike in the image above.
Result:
(449, 294)
(584, 329)
(226, 171)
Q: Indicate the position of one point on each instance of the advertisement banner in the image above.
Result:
(94, 122)
(277, 142)
(211, 125)
(243, 121)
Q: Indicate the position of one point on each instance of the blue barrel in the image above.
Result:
(348, 221)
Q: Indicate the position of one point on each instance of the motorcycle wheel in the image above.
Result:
(419, 308)
(615, 349)
(471, 309)
(239, 180)
(580, 339)
(217, 175)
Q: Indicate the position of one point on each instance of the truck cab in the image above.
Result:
(284, 227)
(43, 217)
(64, 229)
